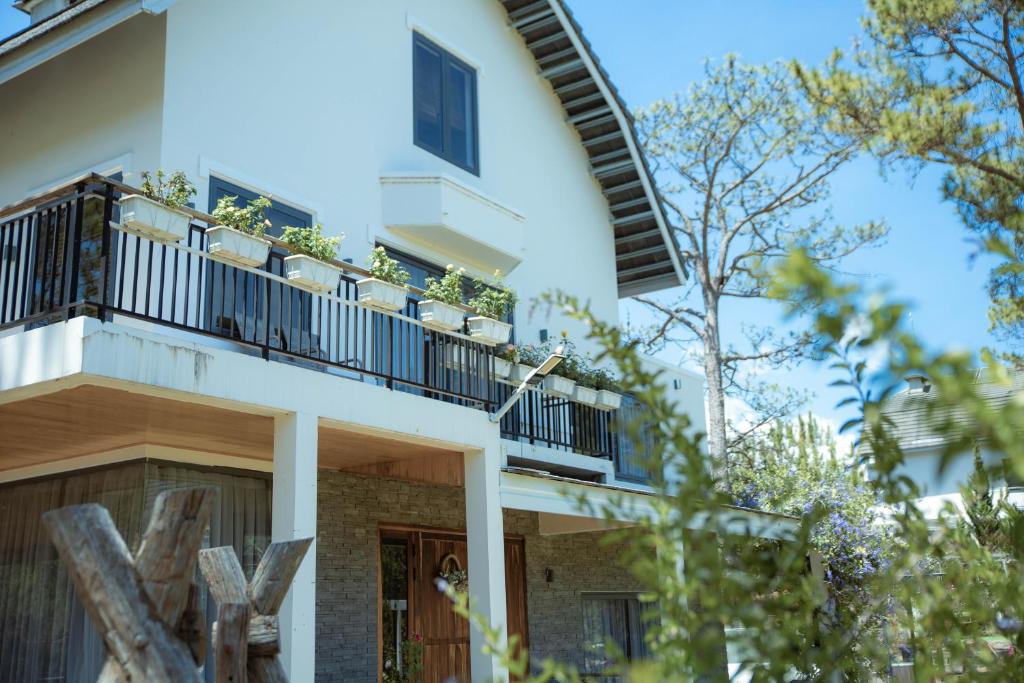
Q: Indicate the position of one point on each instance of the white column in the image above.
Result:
(485, 536)
(295, 448)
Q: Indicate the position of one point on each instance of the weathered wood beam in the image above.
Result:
(274, 574)
(115, 596)
(229, 590)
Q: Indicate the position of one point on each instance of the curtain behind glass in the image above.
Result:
(44, 631)
(241, 519)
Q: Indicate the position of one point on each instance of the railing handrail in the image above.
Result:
(64, 188)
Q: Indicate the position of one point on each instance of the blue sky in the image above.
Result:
(652, 49)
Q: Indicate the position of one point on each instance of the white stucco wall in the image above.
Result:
(313, 103)
(94, 107)
(937, 488)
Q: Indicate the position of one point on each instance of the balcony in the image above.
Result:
(64, 254)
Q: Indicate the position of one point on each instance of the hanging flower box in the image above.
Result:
(382, 295)
(236, 247)
(518, 372)
(608, 400)
(585, 395)
(556, 385)
(502, 368)
(440, 315)
(489, 330)
(153, 220)
(309, 273)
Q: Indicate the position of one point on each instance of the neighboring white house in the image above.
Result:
(914, 427)
(482, 133)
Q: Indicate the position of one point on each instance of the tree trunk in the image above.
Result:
(716, 395)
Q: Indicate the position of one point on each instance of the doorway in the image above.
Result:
(415, 618)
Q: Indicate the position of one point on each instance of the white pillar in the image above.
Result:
(485, 536)
(294, 516)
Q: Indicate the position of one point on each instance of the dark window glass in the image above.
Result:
(612, 626)
(444, 105)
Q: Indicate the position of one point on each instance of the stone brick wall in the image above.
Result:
(350, 507)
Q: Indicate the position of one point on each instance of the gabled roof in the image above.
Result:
(646, 255)
(914, 425)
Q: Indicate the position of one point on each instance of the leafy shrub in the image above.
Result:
(250, 219)
(173, 191)
(311, 242)
(447, 290)
(493, 299)
(385, 268)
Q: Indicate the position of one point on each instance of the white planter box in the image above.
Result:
(311, 274)
(489, 330)
(502, 368)
(608, 400)
(147, 218)
(518, 373)
(382, 295)
(236, 247)
(556, 385)
(440, 315)
(585, 395)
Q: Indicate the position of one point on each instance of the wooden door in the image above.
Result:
(446, 652)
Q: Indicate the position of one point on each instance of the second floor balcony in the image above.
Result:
(65, 254)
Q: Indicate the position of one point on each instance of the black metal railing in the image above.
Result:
(64, 254)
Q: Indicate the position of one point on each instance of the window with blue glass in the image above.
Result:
(444, 105)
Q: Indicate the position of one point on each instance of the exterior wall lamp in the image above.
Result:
(535, 377)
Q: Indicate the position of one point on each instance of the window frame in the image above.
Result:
(634, 608)
(447, 60)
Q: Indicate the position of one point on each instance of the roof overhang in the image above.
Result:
(645, 250)
(72, 26)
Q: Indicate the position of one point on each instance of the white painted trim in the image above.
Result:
(414, 24)
(122, 162)
(208, 167)
(130, 453)
(623, 122)
(425, 178)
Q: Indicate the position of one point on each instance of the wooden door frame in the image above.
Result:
(395, 530)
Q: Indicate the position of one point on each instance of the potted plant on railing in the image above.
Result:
(442, 298)
(155, 213)
(608, 397)
(505, 360)
(385, 288)
(561, 382)
(237, 236)
(492, 301)
(309, 266)
(526, 358)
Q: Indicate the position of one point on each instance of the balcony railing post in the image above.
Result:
(71, 285)
(105, 264)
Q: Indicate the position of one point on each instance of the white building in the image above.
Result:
(482, 133)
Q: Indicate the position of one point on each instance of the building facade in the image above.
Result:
(481, 133)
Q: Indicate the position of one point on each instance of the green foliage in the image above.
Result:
(493, 299)
(173, 191)
(939, 82)
(311, 242)
(744, 163)
(447, 290)
(412, 661)
(385, 268)
(250, 219)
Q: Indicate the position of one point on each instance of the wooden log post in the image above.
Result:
(166, 561)
(115, 595)
(258, 644)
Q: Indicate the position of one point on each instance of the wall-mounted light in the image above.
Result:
(543, 336)
(549, 575)
(534, 378)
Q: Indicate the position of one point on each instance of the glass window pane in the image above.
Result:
(605, 633)
(461, 114)
(427, 97)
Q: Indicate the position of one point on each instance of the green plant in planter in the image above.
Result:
(509, 352)
(603, 380)
(311, 242)
(173, 191)
(385, 268)
(250, 219)
(528, 354)
(493, 299)
(447, 290)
